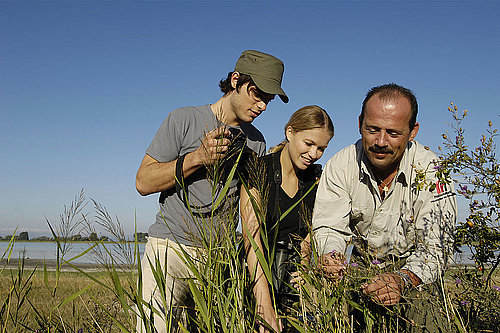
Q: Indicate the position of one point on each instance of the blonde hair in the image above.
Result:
(306, 118)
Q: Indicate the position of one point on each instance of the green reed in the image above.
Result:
(221, 286)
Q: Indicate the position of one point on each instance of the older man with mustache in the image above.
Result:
(368, 196)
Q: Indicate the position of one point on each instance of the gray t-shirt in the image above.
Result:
(181, 133)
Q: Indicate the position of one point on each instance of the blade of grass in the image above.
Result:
(200, 301)
(222, 195)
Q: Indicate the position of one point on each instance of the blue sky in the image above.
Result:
(84, 85)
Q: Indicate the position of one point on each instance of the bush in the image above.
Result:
(476, 170)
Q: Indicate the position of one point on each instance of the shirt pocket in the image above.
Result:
(405, 231)
(360, 219)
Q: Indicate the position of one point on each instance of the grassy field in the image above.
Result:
(31, 300)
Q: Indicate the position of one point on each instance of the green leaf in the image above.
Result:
(222, 195)
(266, 268)
(200, 302)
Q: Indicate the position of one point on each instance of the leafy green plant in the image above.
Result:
(476, 170)
(479, 183)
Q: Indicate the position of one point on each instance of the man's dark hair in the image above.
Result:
(226, 88)
(392, 90)
(225, 84)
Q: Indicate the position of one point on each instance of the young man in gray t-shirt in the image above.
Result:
(189, 140)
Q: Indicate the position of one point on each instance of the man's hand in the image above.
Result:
(214, 146)
(385, 289)
(332, 265)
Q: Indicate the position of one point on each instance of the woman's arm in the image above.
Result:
(251, 230)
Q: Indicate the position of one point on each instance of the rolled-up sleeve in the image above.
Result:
(332, 209)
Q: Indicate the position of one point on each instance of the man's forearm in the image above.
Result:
(154, 176)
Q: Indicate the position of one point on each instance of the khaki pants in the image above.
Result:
(422, 308)
(425, 311)
(177, 297)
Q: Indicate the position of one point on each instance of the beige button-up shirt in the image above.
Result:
(409, 223)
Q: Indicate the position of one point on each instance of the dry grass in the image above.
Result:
(39, 313)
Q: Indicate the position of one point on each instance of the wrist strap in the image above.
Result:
(182, 186)
(406, 279)
(179, 178)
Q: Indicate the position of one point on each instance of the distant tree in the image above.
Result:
(42, 239)
(76, 238)
(23, 236)
(141, 237)
(104, 239)
(93, 236)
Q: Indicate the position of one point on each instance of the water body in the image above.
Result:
(48, 251)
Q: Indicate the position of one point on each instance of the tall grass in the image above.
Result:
(31, 302)
(37, 300)
(221, 286)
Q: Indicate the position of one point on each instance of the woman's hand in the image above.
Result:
(297, 281)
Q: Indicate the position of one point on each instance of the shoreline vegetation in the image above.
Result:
(52, 265)
(30, 262)
(74, 242)
(92, 237)
(98, 309)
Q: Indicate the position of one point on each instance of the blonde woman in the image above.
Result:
(291, 177)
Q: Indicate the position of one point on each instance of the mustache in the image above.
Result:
(380, 150)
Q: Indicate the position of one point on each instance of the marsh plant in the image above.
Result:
(221, 285)
(37, 299)
(476, 295)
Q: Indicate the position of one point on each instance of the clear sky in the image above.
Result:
(84, 85)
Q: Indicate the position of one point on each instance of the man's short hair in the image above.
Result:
(226, 87)
(392, 90)
(225, 84)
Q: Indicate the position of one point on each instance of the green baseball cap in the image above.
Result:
(264, 69)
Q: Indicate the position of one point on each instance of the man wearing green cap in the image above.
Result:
(190, 143)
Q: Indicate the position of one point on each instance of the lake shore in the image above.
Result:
(51, 264)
